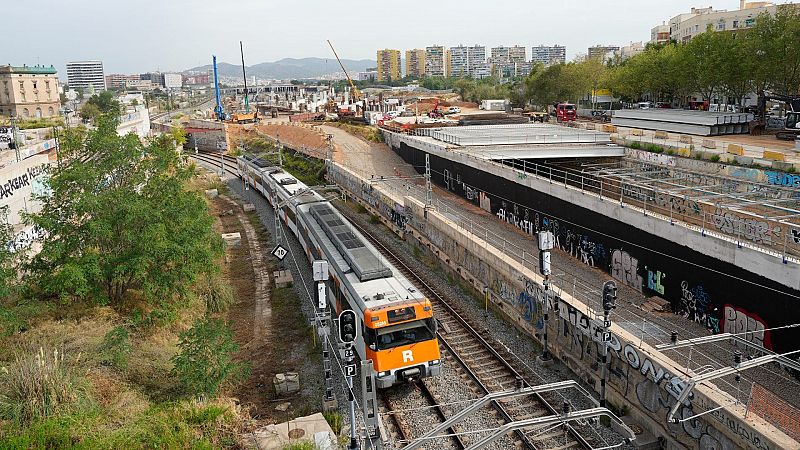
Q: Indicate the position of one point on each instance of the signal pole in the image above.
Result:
(347, 334)
(609, 303)
(320, 270)
(546, 243)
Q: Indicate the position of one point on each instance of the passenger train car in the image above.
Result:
(397, 330)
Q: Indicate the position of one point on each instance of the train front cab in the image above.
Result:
(401, 342)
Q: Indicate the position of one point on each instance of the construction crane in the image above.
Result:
(247, 116)
(218, 110)
(355, 94)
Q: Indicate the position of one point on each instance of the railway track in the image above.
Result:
(229, 162)
(486, 366)
(402, 405)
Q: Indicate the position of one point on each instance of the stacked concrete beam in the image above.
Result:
(702, 123)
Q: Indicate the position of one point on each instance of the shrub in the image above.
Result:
(36, 386)
(670, 152)
(214, 292)
(653, 148)
(635, 145)
(714, 158)
(334, 419)
(205, 360)
(791, 169)
(374, 219)
(116, 348)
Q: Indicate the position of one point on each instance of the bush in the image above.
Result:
(374, 219)
(653, 148)
(635, 145)
(714, 158)
(214, 292)
(36, 386)
(205, 360)
(116, 348)
(334, 419)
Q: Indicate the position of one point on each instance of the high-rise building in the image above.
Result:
(546, 55)
(415, 63)
(388, 65)
(156, 78)
(28, 91)
(173, 80)
(515, 54)
(116, 80)
(602, 52)
(86, 75)
(465, 60)
(435, 65)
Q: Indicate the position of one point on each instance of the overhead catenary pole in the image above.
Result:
(609, 303)
(244, 76)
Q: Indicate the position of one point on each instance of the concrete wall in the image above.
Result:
(641, 378)
(18, 181)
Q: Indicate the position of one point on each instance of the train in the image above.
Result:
(396, 325)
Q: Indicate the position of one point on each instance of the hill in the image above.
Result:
(289, 68)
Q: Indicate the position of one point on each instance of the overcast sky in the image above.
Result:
(173, 35)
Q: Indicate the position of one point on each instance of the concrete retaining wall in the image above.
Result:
(641, 378)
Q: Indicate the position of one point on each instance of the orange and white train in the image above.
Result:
(396, 326)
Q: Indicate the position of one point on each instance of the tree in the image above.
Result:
(105, 102)
(774, 45)
(119, 218)
(89, 112)
(8, 266)
(705, 56)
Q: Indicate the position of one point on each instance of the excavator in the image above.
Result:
(791, 130)
(355, 94)
(435, 113)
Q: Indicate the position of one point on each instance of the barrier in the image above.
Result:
(775, 410)
(774, 156)
(661, 135)
(609, 128)
(637, 132)
(709, 143)
(686, 139)
(735, 149)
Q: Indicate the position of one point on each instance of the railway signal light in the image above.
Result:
(347, 326)
(609, 296)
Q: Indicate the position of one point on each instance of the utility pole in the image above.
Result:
(546, 243)
(320, 270)
(347, 335)
(428, 189)
(609, 303)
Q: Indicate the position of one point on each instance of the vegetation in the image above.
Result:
(310, 171)
(367, 132)
(120, 221)
(99, 104)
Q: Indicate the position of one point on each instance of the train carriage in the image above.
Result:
(397, 330)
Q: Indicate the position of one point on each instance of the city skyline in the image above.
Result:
(121, 50)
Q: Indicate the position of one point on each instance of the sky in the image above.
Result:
(174, 35)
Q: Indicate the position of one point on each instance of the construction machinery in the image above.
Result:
(246, 116)
(434, 113)
(218, 110)
(790, 129)
(355, 94)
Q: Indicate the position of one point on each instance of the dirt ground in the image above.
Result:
(294, 136)
(767, 140)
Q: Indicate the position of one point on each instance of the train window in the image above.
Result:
(401, 334)
(290, 214)
(401, 314)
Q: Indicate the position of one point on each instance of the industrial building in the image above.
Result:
(464, 61)
(437, 61)
(86, 75)
(415, 63)
(29, 91)
(388, 65)
(547, 55)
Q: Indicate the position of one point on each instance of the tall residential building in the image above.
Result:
(464, 61)
(389, 65)
(515, 54)
(86, 75)
(437, 61)
(602, 51)
(659, 34)
(684, 27)
(28, 91)
(546, 55)
(415, 63)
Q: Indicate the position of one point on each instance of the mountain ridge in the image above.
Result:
(289, 68)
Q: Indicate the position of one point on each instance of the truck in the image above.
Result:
(494, 105)
(565, 112)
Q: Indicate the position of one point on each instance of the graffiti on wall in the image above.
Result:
(678, 205)
(654, 278)
(529, 300)
(737, 320)
(756, 230)
(513, 216)
(625, 268)
(695, 305)
(783, 179)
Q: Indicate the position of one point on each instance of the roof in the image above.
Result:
(35, 70)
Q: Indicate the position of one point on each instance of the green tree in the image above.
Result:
(89, 112)
(205, 360)
(118, 218)
(105, 102)
(774, 46)
(705, 56)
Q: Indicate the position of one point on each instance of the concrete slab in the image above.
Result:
(313, 428)
(232, 239)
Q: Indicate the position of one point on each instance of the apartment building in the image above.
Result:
(602, 52)
(684, 27)
(29, 91)
(388, 65)
(86, 75)
(548, 55)
(464, 60)
(515, 54)
(437, 61)
(415, 63)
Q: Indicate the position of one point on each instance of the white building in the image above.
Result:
(437, 61)
(86, 75)
(136, 119)
(465, 60)
(173, 80)
(504, 54)
(546, 55)
(684, 27)
(631, 50)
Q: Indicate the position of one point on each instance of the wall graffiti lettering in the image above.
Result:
(796, 235)
(514, 217)
(678, 205)
(696, 306)
(737, 320)
(638, 193)
(625, 268)
(654, 278)
(752, 229)
(783, 179)
(10, 186)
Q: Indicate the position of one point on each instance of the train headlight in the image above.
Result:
(435, 362)
(384, 374)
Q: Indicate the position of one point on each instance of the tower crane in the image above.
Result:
(355, 94)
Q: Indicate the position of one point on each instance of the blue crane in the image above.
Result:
(218, 109)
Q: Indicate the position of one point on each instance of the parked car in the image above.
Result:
(453, 110)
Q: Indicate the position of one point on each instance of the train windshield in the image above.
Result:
(401, 334)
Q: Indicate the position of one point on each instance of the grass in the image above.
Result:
(368, 132)
(17, 316)
(214, 292)
(309, 170)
